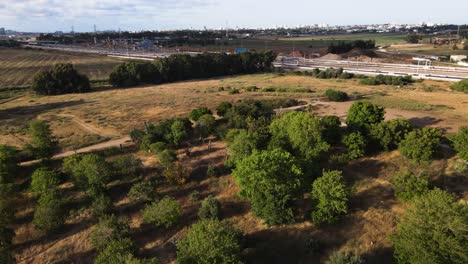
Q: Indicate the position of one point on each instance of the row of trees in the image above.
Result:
(345, 46)
(184, 67)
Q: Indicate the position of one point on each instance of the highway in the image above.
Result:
(373, 68)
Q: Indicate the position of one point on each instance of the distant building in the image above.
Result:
(2, 31)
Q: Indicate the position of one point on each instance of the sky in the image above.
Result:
(61, 15)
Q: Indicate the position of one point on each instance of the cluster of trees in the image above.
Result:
(9, 43)
(60, 79)
(345, 46)
(183, 67)
(413, 38)
(461, 86)
(388, 80)
(8, 170)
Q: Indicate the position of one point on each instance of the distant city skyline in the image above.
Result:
(134, 15)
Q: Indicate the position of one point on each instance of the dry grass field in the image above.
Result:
(18, 66)
(83, 119)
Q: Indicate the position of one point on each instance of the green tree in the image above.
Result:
(300, 133)
(101, 205)
(271, 180)
(356, 145)
(340, 257)
(60, 79)
(205, 125)
(389, 134)
(408, 186)
(49, 215)
(330, 197)
(209, 208)
(109, 228)
(43, 179)
(362, 115)
(336, 96)
(199, 112)
(116, 251)
(8, 164)
(179, 132)
(241, 144)
(223, 108)
(331, 129)
(127, 166)
(460, 143)
(143, 191)
(167, 157)
(165, 212)
(90, 172)
(43, 144)
(421, 144)
(210, 241)
(413, 38)
(432, 230)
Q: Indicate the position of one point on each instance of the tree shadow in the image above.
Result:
(34, 110)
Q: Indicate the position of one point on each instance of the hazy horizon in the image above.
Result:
(53, 15)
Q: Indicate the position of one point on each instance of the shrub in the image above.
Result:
(421, 144)
(210, 241)
(42, 143)
(49, 214)
(389, 134)
(460, 143)
(432, 230)
(158, 147)
(101, 205)
(356, 145)
(271, 180)
(109, 228)
(126, 166)
(408, 186)
(179, 132)
(165, 212)
(167, 157)
(387, 80)
(340, 257)
(199, 112)
(42, 180)
(205, 125)
(116, 251)
(330, 196)
(234, 91)
(176, 173)
(194, 196)
(210, 208)
(336, 96)
(60, 79)
(223, 108)
(141, 192)
(210, 171)
(461, 86)
(362, 115)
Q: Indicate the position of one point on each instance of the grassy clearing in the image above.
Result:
(406, 104)
(18, 66)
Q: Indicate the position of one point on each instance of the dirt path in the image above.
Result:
(88, 127)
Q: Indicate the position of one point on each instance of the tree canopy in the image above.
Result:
(60, 79)
(362, 115)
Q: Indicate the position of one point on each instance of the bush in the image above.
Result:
(234, 91)
(60, 79)
(205, 125)
(42, 143)
(387, 80)
(210, 208)
(356, 145)
(49, 215)
(408, 186)
(211, 171)
(141, 192)
(165, 212)
(167, 157)
(340, 257)
(109, 228)
(271, 180)
(432, 230)
(223, 108)
(126, 166)
(102, 205)
(116, 251)
(199, 112)
(158, 147)
(179, 132)
(362, 115)
(336, 96)
(461, 86)
(389, 134)
(421, 144)
(460, 143)
(330, 197)
(42, 180)
(176, 173)
(210, 241)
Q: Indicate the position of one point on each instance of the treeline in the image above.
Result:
(185, 67)
(9, 43)
(387, 80)
(345, 46)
